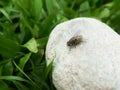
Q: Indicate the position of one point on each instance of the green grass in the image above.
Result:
(25, 26)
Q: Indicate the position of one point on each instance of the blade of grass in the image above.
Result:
(5, 14)
(41, 82)
(26, 23)
(33, 83)
(20, 86)
(47, 25)
(3, 85)
(21, 5)
(48, 69)
(51, 6)
(4, 61)
(42, 42)
(7, 68)
(12, 78)
(31, 45)
(38, 9)
(8, 47)
(24, 60)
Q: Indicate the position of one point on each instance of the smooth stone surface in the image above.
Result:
(93, 64)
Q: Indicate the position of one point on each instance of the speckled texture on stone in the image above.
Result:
(93, 64)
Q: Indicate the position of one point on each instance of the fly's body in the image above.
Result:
(74, 41)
